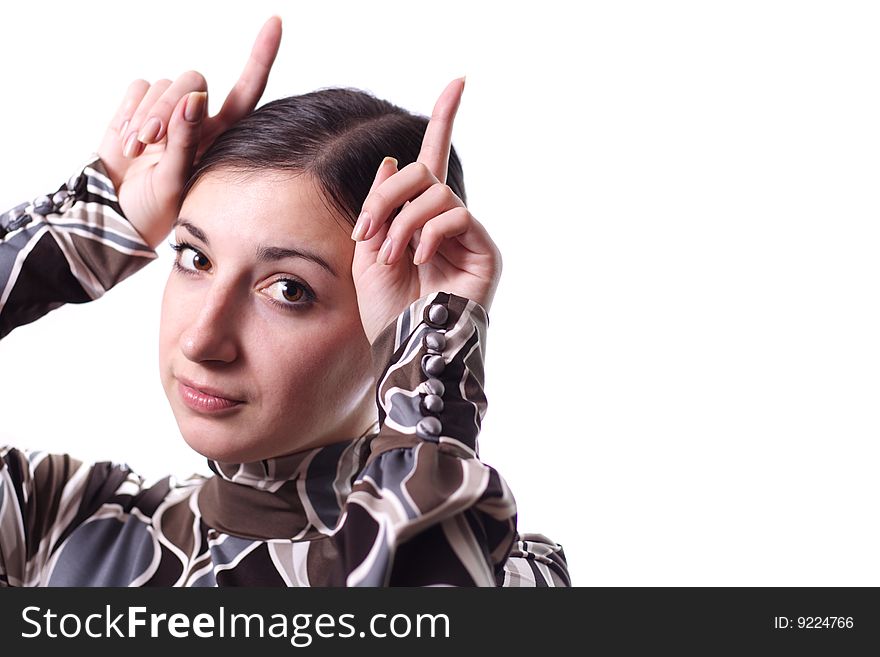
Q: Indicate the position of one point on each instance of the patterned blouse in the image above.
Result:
(407, 503)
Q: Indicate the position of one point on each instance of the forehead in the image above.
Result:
(265, 207)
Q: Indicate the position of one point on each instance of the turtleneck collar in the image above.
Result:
(297, 496)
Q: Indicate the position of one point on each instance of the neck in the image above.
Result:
(295, 496)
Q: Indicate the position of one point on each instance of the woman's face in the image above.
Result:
(249, 320)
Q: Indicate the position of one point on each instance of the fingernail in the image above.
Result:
(417, 258)
(360, 228)
(463, 79)
(131, 145)
(195, 106)
(150, 130)
(385, 251)
(388, 160)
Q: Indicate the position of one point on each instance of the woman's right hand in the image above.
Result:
(161, 130)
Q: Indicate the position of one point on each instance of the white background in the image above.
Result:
(682, 363)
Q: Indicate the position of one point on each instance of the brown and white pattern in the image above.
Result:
(394, 506)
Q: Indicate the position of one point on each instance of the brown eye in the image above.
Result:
(292, 291)
(200, 262)
(290, 294)
(190, 263)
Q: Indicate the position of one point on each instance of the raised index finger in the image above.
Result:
(250, 86)
(438, 135)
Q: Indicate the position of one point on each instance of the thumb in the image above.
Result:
(184, 132)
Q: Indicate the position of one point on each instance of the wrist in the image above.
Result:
(430, 371)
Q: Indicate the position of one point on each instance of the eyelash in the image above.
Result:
(291, 306)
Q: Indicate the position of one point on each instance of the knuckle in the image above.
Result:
(196, 79)
(444, 191)
(422, 170)
(403, 220)
(138, 85)
(462, 214)
(375, 201)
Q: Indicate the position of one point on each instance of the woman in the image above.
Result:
(332, 376)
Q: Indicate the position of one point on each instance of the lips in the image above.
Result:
(205, 399)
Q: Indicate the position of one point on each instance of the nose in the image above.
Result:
(211, 335)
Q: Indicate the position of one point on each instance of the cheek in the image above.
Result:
(322, 364)
(172, 318)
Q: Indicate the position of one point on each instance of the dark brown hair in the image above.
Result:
(339, 135)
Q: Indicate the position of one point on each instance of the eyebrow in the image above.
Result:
(264, 253)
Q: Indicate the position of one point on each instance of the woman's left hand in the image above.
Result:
(453, 251)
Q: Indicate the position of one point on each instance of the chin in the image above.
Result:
(217, 438)
(211, 450)
(216, 446)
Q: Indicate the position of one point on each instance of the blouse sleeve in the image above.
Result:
(425, 511)
(536, 561)
(70, 246)
(43, 498)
